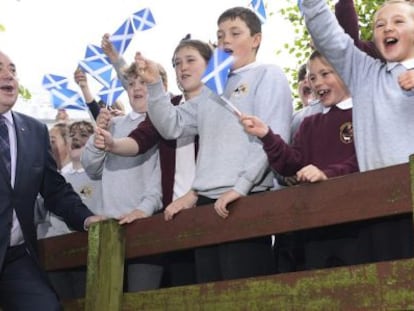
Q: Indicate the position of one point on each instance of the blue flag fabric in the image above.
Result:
(217, 71)
(51, 81)
(95, 54)
(143, 20)
(122, 37)
(110, 94)
(259, 8)
(68, 99)
(100, 71)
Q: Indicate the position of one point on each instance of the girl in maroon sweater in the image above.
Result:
(322, 148)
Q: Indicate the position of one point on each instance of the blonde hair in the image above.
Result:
(388, 2)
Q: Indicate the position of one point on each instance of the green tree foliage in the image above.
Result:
(300, 47)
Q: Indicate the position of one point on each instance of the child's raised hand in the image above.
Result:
(109, 48)
(147, 69)
(406, 80)
(103, 119)
(254, 126)
(103, 139)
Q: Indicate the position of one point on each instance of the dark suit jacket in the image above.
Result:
(35, 173)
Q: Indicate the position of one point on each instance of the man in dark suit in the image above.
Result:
(27, 168)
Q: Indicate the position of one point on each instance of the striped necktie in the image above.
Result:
(5, 143)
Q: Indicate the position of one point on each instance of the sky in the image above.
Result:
(50, 36)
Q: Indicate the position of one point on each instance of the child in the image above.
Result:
(383, 103)
(177, 157)
(322, 148)
(230, 164)
(131, 186)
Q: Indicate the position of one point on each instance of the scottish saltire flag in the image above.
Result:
(95, 54)
(123, 36)
(110, 94)
(51, 81)
(216, 75)
(143, 20)
(100, 71)
(218, 68)
(68, 99)
(259, 8)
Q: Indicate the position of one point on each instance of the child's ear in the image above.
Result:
(257, 39)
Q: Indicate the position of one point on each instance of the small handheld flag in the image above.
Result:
(260, 10)
(51, 81)
(66, 98)
(123, 36)
(95, 54)
(110, 95)
(143, 20)
(100, 71)
(216, 75)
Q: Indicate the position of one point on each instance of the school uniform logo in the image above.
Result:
(240, 91)
(86, 192)
(346, 133)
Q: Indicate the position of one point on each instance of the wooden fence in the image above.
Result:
(376, 286)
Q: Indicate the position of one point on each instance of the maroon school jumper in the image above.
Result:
(348, 19)
(324, 140)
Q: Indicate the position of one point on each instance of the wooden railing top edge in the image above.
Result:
(378, 193)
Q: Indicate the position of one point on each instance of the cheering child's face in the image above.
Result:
(394, 31)
(325, 82)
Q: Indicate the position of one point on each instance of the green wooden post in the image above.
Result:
(105, 267)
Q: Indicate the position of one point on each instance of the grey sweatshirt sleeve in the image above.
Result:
(92, 160)
(273, 104)
(337, 46)
(171, 121)
(119, 66)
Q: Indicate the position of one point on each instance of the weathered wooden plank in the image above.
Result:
(64, 251)
(105, 275)
(338, 200)
(342, 199)
(382, 286)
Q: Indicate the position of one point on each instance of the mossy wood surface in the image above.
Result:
(105, 274)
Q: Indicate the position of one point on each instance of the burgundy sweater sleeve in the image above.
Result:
(348, 19)
(348, 166)
(146, 135)
(284, 159)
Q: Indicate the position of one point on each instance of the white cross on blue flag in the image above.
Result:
(143, 20)
(51, 81)
(111, 94)
(100, 71)
(259, 8)
(66, 98)
(95, 54)
(216, 74)
(123, 36)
